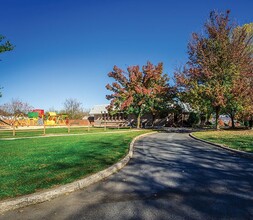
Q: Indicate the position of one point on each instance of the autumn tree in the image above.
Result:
(4, 46)
(199, 104)
(219, 63)
(242, 50)
(138, 91)
(243, 90)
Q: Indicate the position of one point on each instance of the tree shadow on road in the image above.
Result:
(183, 179)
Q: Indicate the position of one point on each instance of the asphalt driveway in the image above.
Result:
(171, 176)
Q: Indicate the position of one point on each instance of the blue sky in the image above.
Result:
(65, 48)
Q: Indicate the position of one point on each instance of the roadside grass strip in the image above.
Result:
(65, 135)
(236, 139)
(20, 133)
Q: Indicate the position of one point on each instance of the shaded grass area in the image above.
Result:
(236, 139)
(28, 165)
(51, 130)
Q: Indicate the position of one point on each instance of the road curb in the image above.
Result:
(46, 195)
(238, 152)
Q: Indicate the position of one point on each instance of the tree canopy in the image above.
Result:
(15, 107)
(138, 91)
(5, 45)
(73, 108)
(219, 67)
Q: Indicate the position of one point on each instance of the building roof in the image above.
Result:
(98, 109)
(185, 106)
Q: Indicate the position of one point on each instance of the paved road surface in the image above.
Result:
(170, 177)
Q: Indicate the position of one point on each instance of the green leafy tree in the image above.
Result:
(137, 91)
(5, 46)
(219, 62)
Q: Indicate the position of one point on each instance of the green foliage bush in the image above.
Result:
(194, 118)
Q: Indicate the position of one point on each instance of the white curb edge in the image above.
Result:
(45, 195)
(239, 152)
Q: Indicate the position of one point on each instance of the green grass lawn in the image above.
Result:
(52, 130)
(28, 165)
(236, 139)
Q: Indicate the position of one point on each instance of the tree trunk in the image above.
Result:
(209, 114)
(138, 120)
(217, 112)
(202, 119)
(232, 120)
(153, 119)
(251, 122)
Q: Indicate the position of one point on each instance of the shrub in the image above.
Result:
(193, 119)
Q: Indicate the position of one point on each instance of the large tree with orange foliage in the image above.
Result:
(219, 67)
(244, 89)
(138, 91)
